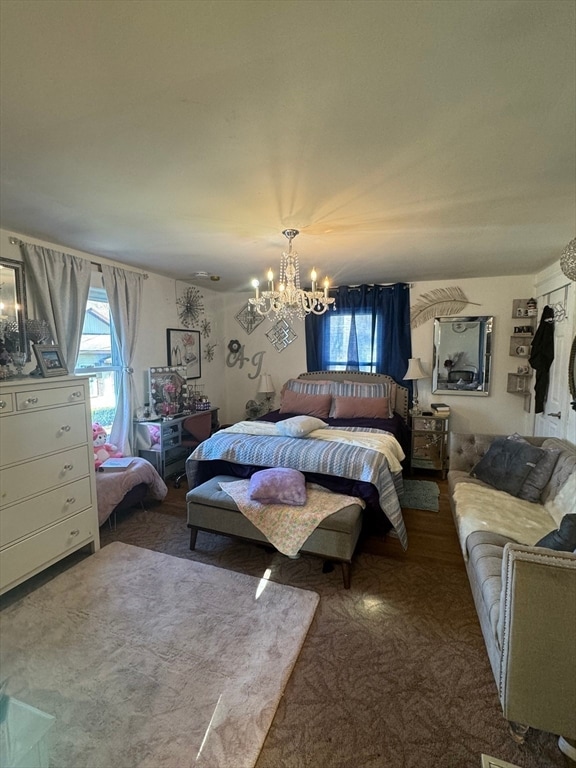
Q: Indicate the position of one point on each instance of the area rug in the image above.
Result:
(420, 494)
(152, 661)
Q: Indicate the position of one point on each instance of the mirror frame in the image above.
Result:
(19, 299)
(439, 355)
(572, 374)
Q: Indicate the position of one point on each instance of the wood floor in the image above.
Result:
(431, 535)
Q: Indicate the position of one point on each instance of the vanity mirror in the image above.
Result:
(13, 305)
(462, 355)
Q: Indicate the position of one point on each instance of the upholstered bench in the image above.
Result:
(211, 509)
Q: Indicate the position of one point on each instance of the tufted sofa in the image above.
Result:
(525, 596)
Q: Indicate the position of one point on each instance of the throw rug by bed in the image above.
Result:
(152, 661)
(420, 494)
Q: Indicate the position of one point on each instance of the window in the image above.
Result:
(99, 357)
(349, 337)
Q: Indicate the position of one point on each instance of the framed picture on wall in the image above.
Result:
(184, 350)
(50, 360)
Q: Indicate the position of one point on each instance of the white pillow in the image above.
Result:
(299, 426)
(563, 503)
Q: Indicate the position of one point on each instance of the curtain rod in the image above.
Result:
(16, 241)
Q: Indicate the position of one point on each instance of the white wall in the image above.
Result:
(230, 388)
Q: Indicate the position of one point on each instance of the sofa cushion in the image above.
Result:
(563, 502)
(564, 469)
(507, 464)
(563, 539)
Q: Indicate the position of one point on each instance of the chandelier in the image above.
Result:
(290, 300)
(568, 260)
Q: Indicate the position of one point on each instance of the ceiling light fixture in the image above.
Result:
(568, 260)
(290, 300)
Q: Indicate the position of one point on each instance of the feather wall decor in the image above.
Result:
(439, 302)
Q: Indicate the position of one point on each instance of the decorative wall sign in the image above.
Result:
(184, 350)
(281, 335)
(237, 357)
(437, 303)
(248, 318)
(190, 306)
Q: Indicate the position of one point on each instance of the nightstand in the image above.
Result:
(430, 442)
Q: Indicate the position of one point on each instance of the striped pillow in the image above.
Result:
(316, 387)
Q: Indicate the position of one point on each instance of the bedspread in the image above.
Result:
(341, 459)
(111, 487)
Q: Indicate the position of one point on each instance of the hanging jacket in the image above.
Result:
(542, 355)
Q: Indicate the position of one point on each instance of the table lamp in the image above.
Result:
(414, 373)
(266, 388)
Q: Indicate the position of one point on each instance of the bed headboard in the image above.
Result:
(399, 394)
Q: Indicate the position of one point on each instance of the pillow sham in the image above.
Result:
(312, 387)
(562, 540)
(540, 474)
(280, 485)
(506, 464)
(305, 405)
(360, 407)
(357, 389)
(299, 426)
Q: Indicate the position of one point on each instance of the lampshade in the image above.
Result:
(414, 370)
(265, 384)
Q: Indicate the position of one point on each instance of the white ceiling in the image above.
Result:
(405, 140)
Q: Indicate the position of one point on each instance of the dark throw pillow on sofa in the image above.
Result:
(506, 464)
(562, 540)
(540, 474)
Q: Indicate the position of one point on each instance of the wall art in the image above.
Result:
(184, 350)
(205, 328)
(280, 335)
(437, 303)
(190, 306)
(248, 318)
(209, 352)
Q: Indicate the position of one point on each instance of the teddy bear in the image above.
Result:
(102, 449)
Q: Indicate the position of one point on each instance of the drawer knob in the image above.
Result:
(65, 428)
(76, 394)
(3, 403)
(68, 467)
(75, 532)
(31, 401)
(70, 500)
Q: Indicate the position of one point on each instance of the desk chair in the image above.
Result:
(195, 429)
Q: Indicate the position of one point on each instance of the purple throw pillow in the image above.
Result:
(278, 486)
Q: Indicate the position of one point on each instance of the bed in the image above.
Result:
(118, 491)
(358, 406)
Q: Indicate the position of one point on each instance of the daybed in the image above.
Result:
(117, 491)
(351, 404)
(525, 595)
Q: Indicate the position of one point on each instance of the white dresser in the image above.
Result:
(47, 484)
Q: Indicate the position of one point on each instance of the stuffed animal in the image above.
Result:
(102, 449)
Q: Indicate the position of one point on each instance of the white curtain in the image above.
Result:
(124, 291)
(61, 284)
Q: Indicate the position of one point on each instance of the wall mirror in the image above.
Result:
(462, 355)
(13, 305)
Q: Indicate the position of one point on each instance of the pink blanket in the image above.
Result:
(111, 487)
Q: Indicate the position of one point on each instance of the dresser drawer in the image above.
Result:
(6, 402)
(22, 519)
(27, 435)
(32, 399)
(24, 480)
(19, 561)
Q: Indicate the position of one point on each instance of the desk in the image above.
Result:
(160, 442)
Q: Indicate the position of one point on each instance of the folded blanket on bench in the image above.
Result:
(288, 527)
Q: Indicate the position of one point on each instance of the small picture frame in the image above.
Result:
(183, 349)
(50, 360)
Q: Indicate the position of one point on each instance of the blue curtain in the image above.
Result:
(385, 311)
